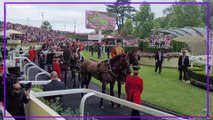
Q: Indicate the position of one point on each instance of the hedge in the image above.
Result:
(126, 48)
(201, 76)
(194, 69)
(198, 78)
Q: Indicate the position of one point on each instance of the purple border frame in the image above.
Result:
(207, 52)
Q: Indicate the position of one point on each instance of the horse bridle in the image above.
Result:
(65, 61)
(124, 60)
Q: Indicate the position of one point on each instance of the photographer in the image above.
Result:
(17, 96)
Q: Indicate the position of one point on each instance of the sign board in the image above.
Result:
(94, 37)
(99, 20)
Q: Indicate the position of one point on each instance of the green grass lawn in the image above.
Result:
(167, 91)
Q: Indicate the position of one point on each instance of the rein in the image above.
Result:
(110, 67)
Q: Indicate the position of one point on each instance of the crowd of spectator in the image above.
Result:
(34, 34)
(131, 42)
(161, 40)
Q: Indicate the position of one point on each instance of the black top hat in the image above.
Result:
(136, 67)
(11, 79)
(119, 40)
(14, 70)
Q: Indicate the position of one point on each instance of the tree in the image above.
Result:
(127, 29)
(121, 12)
(162, 21)
(203, 10)
(143, 21)
(156, 25)
(46, 25)
(182, 15)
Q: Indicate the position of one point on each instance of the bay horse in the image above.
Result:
(108, 71)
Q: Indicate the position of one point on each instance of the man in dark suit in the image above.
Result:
(183, 63)
(55, 84)
(158, 61)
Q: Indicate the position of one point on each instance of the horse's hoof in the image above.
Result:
(102, 107)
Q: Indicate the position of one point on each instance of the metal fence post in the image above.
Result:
(82, 104)
(36, 77)
(28, 70)
(25, 68)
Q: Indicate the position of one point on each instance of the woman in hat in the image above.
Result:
(134, 88)
(56, 66)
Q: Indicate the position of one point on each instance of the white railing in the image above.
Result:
(41, 73)
(88, 93)
(36, 82)
(198, 60)
(33, 66)
(13, 54)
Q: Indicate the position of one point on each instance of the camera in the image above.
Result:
(12, 79)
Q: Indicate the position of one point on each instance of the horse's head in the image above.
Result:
(75, 54)
(134, 57)
(124, 67)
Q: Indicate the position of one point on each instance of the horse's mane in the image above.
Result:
(114, 59)
(93, 60)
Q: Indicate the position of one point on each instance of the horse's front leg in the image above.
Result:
(112, 92)
(119, 90)
(103, 91)
(65, 78)
(79, 79)
(73, 78)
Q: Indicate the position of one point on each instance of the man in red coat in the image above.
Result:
(34, 54)
(31, 54)
(56, 67)
(134, 88)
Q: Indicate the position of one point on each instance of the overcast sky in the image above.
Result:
(62, 15)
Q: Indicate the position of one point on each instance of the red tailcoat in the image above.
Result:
(57, 68)
(31, 55)
(34, 54)
(134, 88)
